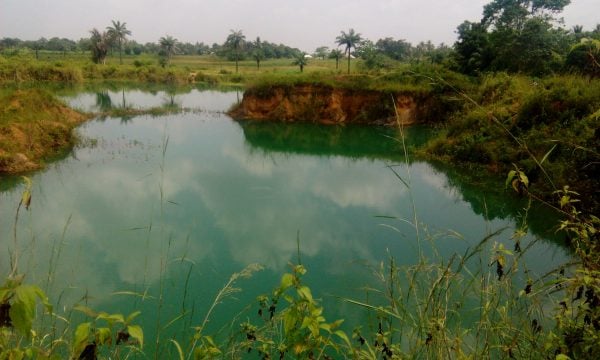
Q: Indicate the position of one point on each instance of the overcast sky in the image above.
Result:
(305, 24)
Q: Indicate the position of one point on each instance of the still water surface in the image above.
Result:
(158, 212)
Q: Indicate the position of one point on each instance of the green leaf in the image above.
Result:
(26, 199)
(179, 350)
(548, 154)
(86, 310)
(132, 316)
(304, 292)
(82, 334)
(342, 335)
(103, 336)
(137, 333)
(118, 318)
(22, 309)
(287, 280)
(562, 357)
(510, 177)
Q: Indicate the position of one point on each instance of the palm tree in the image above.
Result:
(350, 40)
(100, 42)
(337, 55)
(258, 53)
(235, 41)
(118, 31)
(300, 60)
(168, 46)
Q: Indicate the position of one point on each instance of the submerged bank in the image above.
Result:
(34, 126)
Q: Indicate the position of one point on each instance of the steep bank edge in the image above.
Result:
(328, 105)
(33, 126)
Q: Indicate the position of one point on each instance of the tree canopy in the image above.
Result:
(119, 32)
(349, 40)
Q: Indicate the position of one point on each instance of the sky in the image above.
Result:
(305, 24)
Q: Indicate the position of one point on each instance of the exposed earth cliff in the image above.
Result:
(327, 105)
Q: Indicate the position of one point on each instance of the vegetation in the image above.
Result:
(118, 31)
(168, 47)
(34, 126)
(521, 97)
(301, 60)
(349, 40)
(236, 41)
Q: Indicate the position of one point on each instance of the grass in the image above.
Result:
(33, 126)
(525, 122)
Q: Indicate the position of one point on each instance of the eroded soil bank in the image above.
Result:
(33, 126)
(328, 105)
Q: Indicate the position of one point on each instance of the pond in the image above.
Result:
(154, 213)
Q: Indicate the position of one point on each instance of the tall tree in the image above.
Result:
(235, 41)
(322, 52)
(300, 60)
(337, 55)
(258, 53)
(119, 32)
(168, 45)
(350, 40)
(100, 43)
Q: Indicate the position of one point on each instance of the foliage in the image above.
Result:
(349, 40)
(300, 60)
(519, 119)
(235, 41)
(297, 326)
(584, 58)
(100, 43)
(118, 32)
(169, 46)
(516, 36)
(105, 333)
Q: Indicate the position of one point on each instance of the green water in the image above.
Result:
(158, 212)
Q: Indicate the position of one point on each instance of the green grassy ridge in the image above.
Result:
(556, 118)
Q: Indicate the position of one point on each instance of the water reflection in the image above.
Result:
(191, 198)
(106, 97)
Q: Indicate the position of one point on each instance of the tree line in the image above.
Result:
(517, 36)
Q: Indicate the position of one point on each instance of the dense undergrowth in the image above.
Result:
(516, 120)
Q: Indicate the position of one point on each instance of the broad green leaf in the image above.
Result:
(562, 357)
(118, 318)
(22, 309)
(510, 177)
(82, 334)
(342, 335)
(336, 324)
(287, 280)
(289, 321)
(132, 316)
(43, 298)
(304, 292)
(306, 322)
(86, 310)
(137, 333)
(103, 336)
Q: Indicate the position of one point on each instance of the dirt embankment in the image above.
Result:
(326, 105)
(33, 126)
